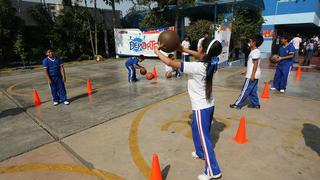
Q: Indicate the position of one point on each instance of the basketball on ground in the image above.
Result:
(168, 75)
(149, 76)
(143, 71)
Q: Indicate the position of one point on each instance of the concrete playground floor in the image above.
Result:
(113, 133)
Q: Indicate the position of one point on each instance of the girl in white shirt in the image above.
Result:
(200, 92)
(186, 44)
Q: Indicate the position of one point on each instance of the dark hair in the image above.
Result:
(214, 51)
(49, 50)
(206, 32)
(258, 39)
(170, 56)
(286, 37)
(141, 57)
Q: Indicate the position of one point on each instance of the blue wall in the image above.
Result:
(290, 7)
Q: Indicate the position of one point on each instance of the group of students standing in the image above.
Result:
(200, 74)
(304, 46)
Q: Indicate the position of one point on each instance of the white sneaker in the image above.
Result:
(282, 90)
(273, 88)
(55, 103)
(194, 155)
(206, 177)
(66, 102)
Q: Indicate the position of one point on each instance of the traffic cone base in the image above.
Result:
(155, 75)
(265, 92)
(298, 74)
(241, 133)
(37, 101)
(89, 88)
(155, 169)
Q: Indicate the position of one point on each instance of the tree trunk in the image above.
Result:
(113, 14)
(91, 39)
(95, 27)
(106, 42)
(90, 31)
(176, 24)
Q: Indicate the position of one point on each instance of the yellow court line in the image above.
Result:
(70, 168)
(12, 92)
(133, 138)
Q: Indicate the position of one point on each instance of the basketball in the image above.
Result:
(169, 41)
(274, 58)
(168, 75)
(149, 76)
(143, 71)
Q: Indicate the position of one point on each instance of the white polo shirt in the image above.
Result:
(254, 55)
(197, 85)
(185, 44)
(296, 42)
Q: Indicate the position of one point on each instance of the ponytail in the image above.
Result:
(213, 50)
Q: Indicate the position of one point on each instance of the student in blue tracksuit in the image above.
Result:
(253, 73)
(54, 71)
(200, 91)
(132, 65)
(285, 63)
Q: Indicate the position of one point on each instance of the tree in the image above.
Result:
(196, 29)
(113, 6)
(247, 22)
(153, 20)
(10, 25)
(19, 48)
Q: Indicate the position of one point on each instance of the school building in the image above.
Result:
(289, 17)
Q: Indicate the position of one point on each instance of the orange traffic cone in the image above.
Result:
(155, 169)
(265, 92)
(241, 133)
(298, 75)
(37, 101)
(89, 88)
(155, 75)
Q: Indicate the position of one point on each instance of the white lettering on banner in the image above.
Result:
(133, 42)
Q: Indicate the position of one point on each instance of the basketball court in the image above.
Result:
(113, 133)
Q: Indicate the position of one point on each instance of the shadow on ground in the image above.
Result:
(216, 128)
(311, 135)
(10, 112)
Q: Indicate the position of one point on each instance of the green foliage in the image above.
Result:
(153, 20)
(19, 47)
(247, 22)
(67, 32)
(10, 25)
(196, 29)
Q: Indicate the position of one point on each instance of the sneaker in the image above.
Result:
(282, 90)
(234, 106)
(66, 102)
(206, 177)
(55, 103)
(194, 155)
(273, 88)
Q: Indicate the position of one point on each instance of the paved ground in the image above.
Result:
(113, 133)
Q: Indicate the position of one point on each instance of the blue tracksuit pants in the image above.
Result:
(131, 73)
(250, 89)
(281, 76)
(58, 90)
(201, 126)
